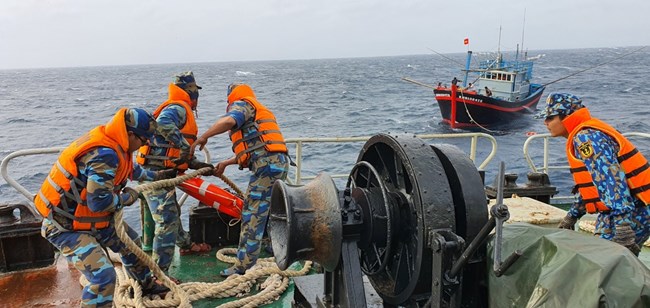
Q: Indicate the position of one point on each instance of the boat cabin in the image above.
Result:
(508, 80)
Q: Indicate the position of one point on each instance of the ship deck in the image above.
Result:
(58, 285)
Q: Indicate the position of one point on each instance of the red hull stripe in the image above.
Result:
(460, 100)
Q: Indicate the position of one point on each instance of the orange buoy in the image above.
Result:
(214, 196)
(531, 134)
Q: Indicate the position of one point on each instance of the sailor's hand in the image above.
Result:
(568, 222)
(219, 168)
(625, 236)
(165, 174)
(200, 142)
(128, 196)
(196, 165)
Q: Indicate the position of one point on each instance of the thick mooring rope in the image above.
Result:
(128, 292)
(232, 185)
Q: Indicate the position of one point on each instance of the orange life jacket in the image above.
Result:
(634, 164)
(189, 131)
(268, 130)
(62, 188)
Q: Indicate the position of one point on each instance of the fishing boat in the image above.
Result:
(389, 243)
(501, 90)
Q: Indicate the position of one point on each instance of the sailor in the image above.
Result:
(612, 177)
(259, 146)
(81, 194)
(470, 87)
(488, 92)
(170, 151)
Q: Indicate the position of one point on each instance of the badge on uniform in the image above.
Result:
(586, 150)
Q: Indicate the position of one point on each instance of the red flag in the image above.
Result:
(466, 41)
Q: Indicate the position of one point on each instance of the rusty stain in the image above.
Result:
(323, 222)
(54, 286)
(321, 236)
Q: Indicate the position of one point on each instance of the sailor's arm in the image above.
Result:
(143, 174)
(237, 114)
(223, 124)
(100, 167)
(220, 167)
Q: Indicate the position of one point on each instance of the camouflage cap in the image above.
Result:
(186, 81)
(560, 104)
(231, 87)
(140, 122)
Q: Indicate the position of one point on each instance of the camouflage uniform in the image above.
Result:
(266, 168)
(84, 249)
(162, 203)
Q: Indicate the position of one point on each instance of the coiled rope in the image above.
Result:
(128, 292)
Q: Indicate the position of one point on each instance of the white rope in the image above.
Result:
(128, 292)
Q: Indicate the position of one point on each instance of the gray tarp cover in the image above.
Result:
(564, 268)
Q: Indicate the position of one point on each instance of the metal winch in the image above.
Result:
(413, 218)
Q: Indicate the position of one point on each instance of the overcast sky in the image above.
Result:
(63, 33)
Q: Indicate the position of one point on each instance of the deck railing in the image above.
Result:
(297, 177)
(473, 138)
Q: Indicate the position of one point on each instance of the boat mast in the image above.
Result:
(467, 63)
(499, 46)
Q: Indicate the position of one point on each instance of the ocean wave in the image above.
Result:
(20, 120)
(311, 98)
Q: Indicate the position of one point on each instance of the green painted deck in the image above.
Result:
(206, 268)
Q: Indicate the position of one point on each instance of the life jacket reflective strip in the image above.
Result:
(188, 131)
(63, 186)
(634, 164)
(267, 131)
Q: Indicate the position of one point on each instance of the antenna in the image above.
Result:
(523, 28)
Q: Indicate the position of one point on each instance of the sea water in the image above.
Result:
(310, 98)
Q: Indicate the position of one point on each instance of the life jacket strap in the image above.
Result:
(584, 185)
(158, 157)
(56, 223)
(627, 155)
(640, 189)
(258, 146)
(254, 136)
(579, 169)
(637, 171)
